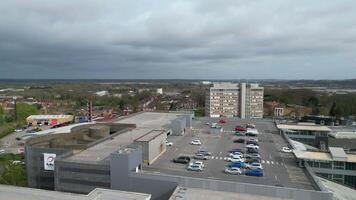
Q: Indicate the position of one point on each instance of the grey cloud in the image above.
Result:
(179, 39)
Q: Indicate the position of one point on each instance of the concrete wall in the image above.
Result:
(37, 177)
(81, 177)
(178, 126)
(156, 147)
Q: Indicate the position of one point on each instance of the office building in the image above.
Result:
(235, 100)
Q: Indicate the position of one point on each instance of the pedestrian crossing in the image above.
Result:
(269, 162)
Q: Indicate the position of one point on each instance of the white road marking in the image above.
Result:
(275, 177)
(221, 158)
(277, 163)
(272, 162)
(267, 161)
(263, 161)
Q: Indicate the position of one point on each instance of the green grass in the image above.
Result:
(12, 174)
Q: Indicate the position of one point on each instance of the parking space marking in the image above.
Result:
(272, 162)
(263, 161)
(267, 161)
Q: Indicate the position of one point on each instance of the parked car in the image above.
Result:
(233, 170)
(236, 150)
(235, 159)
(169, 144)
(195, 162)
(250, 126)
(236, 153)
(221, 121)
(253, 160)
(252, 142)
(204, 152)
(255, 166)
(253, 139)
(252, 150)
(252, 146)
(182, 159)
(195, 168)
(237, 164)
(2, 151)
(195, 142)
(286, 150)
(207, 123)
(18, 130)
(240, 140)
(254, 172)
(240, 128)
(200, 156)
(250, 134)
(253, 155)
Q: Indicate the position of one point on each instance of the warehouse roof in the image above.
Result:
(24, 193)
(303, 127)
(338, 154)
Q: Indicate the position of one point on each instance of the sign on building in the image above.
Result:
(48, 159)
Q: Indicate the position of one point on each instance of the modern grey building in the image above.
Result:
(235, 100)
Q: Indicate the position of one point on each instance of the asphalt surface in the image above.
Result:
(280, 169)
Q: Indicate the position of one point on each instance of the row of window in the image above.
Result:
(332, 165)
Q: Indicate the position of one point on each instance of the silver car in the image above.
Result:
(200, 156)
(195, 167)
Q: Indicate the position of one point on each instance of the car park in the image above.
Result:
(233, 170)
(254, 172)
(253, 155)
(286, 150)
(240, 140)
(182, 159)
(255, 166)
(194, 167)
(200, 156)
(195, 142)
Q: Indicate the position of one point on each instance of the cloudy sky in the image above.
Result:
(188, 39)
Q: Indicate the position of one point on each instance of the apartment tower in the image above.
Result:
(235, 100)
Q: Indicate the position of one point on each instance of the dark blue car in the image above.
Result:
(254, 172)
(237, 164)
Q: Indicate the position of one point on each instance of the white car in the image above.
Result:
(286, 150)
(236, 159)
(255, 166)
(252, 146)
(169, 144)
(2, 151)
(18, 130)
(195, 168)
(200, 163)
(195, 142)
(233, 170)
(236, 154)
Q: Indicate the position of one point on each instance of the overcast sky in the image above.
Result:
(203, 39)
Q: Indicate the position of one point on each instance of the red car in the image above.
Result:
(240, 128)
(221, 121)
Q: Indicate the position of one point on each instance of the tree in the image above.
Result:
(333, 109)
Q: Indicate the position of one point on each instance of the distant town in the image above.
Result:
(255, 138)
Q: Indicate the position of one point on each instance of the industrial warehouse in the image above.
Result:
(119, 156)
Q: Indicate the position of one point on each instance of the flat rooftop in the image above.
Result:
(202, 194)
(303, 127)
(102, 150)
(150, 135)
(25, 193)
(339, 191)
(145, 123)
(311, 155)
(151, 120)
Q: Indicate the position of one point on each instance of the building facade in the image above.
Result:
(235, 100)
